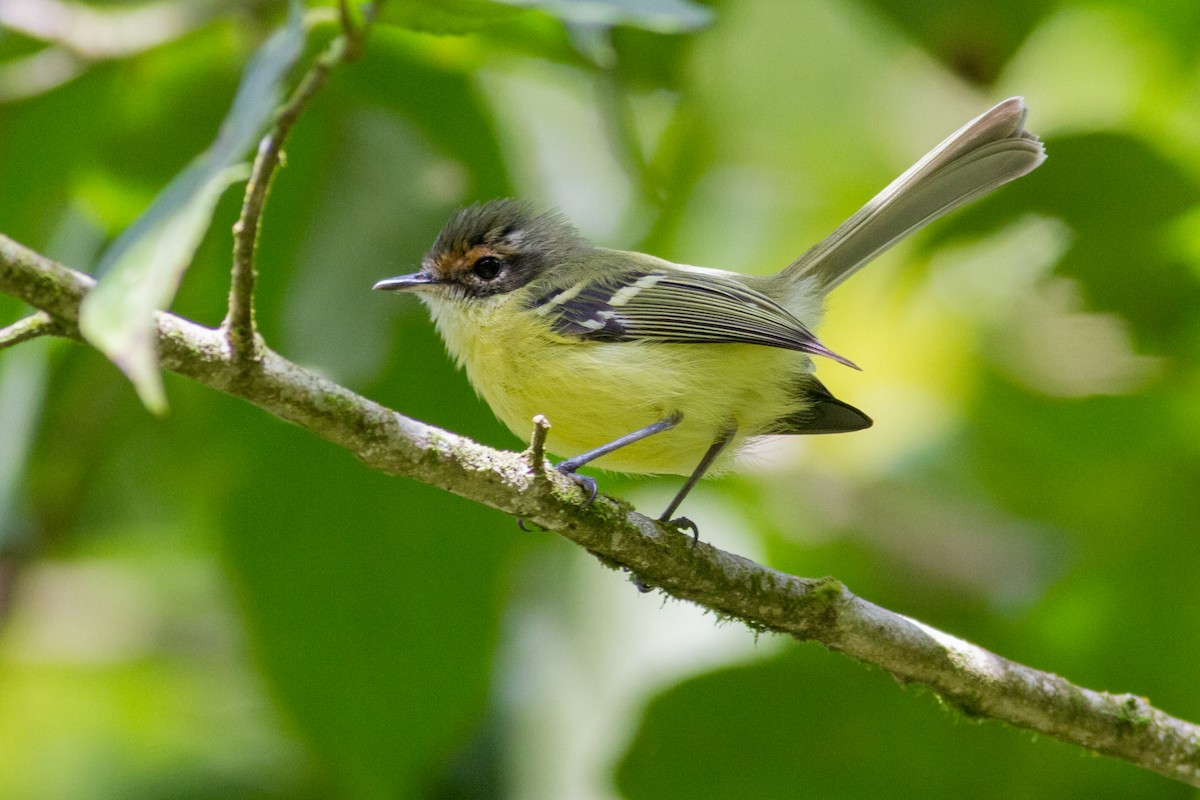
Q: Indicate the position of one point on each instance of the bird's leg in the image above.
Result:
(569, 466)
(710, 456)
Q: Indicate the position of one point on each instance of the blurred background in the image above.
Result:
(216, 604)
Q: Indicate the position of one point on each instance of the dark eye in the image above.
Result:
(487, 267)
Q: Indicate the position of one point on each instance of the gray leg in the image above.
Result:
(710, 456)
(569, 466)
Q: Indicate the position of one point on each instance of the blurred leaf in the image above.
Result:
(446, 16)
(443, 101)
(648, 60)
(467, 16)
(1117, 475)
(141, 270)
(1177, 21)
(661, 16)
(118, 317)
(974, 39)
(810, 724)
(1120, 197)
(373, 602)
(22, 389)
(24, 375)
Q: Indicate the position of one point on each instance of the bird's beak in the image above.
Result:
(404, 283)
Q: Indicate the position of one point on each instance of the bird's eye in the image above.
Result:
(487, 267)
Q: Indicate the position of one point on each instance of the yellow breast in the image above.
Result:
(595, 392)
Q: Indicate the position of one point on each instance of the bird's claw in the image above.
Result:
(683, 523)
(521, 525)
(588, 484)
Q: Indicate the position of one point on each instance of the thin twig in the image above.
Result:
(537, 445)
(535, 457)
(975, 680)
(239, 325)
(353, 32)
(31, 327)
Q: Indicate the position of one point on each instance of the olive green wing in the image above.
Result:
(675, 305)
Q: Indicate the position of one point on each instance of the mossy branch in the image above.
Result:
(823, 610)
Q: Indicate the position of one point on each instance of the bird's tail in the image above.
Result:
(988, 151)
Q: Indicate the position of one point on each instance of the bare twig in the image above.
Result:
(979, 682)
(537, 445)
(353, 31)
(31, 327)
(239, 326)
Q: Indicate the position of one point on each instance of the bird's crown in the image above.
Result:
(501, 245)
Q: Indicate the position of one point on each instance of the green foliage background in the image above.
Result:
(214, 604)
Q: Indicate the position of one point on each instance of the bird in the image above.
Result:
(651, 367)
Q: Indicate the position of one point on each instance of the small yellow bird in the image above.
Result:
(647, 366)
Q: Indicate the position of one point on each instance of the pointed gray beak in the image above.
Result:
(404, 283)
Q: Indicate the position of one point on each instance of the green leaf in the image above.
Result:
(445, 17)
(118, 317)
(141, 271)
(660, 16)
(809, 724)
(975, 40)
(374, 605)
(468, 16)
(1120, 195)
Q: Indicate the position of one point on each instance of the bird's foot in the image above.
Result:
(588, 484)
(683, 523)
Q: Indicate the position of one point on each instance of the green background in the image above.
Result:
(214, 604)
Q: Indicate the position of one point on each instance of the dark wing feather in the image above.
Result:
(824, 414)
(677, 306)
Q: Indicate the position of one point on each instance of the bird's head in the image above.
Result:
(489, 249)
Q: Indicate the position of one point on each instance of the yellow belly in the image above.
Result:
(593, 392)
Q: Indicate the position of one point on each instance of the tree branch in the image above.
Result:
(31, 327)
(536, 454)
(239, 325)
(974, 680)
